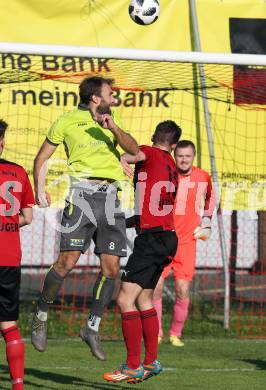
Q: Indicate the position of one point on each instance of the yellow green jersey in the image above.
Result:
(90, 148)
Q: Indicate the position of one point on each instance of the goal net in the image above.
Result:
(39, 83)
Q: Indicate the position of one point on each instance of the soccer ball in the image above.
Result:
(144, 11)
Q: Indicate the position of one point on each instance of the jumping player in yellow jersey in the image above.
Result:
(90, 134)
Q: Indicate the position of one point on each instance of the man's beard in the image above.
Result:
(184, 171)
(103, 108)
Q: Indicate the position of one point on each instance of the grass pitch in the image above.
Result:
(203, 364)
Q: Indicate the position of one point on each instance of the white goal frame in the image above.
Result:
(134, 54)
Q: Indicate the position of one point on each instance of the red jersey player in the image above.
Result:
(194, 185)
(154, 247)
(16, 200)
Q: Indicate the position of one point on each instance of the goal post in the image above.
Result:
(224, 251)
(39, 82)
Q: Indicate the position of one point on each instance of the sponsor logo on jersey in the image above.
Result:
(76, 242)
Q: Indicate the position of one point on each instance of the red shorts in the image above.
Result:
(183, 264)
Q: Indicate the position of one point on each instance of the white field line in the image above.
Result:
(186, 340)
(238, 289)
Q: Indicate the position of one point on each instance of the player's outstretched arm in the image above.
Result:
(124, 140)
(126, 159)
(39, 173)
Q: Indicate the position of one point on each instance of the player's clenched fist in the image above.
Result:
(106, 121)
(203, 231)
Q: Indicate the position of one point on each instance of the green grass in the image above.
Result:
(203, 321)
(203, 364)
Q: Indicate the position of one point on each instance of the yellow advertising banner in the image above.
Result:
(35, 90)
(99, 23)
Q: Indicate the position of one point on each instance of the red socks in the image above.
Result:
(134, 323)
(15, 350)
(150, 326)
(132, 332)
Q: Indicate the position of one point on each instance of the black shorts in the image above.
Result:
(9, 293)
(152, 252)
(93, 212)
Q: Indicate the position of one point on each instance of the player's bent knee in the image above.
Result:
(65, 263)
(111, 271)
(110, 265)
(122, 301)
(182, 296)
(182, 288)
(63, 269)
(182, 293)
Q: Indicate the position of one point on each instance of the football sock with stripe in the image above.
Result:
(132, 333)
(102, 295)
(51, 286)
(180, 313)
(150, 327)
(15, 350)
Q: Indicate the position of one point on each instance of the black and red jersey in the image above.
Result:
(155, 182)
(15, 194)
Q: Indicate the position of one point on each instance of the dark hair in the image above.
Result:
(92, 86)
(185, 143)
(167, 132)
(3, 127)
